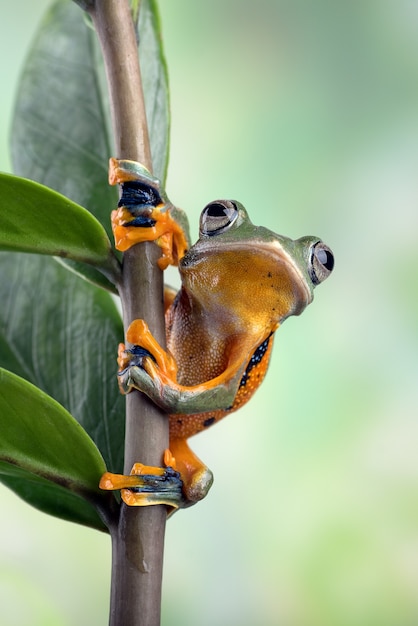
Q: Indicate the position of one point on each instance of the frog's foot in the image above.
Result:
(145, 213)
(180, 484)
(147, 485)
(145, 354)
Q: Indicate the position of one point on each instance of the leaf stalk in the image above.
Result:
(138, 538)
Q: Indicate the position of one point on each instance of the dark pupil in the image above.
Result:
(216, 210)
(325, 258)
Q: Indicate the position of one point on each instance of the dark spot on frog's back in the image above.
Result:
(256, 358)
(208, 422)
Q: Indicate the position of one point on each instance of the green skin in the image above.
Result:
(238, 234)
(239, 283)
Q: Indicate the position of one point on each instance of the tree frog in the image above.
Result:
(239, 282)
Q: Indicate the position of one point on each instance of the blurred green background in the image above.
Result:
(307, 112)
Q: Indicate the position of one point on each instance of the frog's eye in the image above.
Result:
(321, 263)
(217, 217)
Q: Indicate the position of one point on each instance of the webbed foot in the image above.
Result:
(145, 362)
(147, 485)
(145, 213)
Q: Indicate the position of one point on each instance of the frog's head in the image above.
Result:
(237, 265)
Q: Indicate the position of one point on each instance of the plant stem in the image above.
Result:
(138, 539)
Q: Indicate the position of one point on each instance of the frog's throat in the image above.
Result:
(272, 248)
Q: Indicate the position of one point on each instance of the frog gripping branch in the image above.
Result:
(145, 213)
(239, 282)
(219, 342)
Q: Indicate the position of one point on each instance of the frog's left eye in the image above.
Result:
(321, 262)
(217, 217)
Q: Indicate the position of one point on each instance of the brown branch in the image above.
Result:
(138, 540)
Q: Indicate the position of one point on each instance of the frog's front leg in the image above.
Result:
(145, 213)
(148, 368)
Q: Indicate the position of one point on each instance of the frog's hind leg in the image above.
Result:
(197, 478)
(146, 485)
(184, 481)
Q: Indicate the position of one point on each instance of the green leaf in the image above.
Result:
(34, 218)
(61, 134)
(61, 127)
(155, 85)
(90, 274)
(61, 334)
(50, 497)
(57, 331)
(46, 455)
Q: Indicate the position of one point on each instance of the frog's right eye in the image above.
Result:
(217, 217)
(321, 262)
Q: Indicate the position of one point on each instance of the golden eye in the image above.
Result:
(321, 262)
(217, 217)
